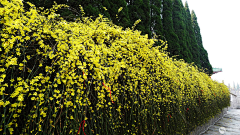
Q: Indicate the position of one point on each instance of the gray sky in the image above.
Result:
(219, 22)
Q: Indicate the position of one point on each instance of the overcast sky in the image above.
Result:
(219, 22)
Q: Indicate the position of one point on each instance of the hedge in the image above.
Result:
(93, 77)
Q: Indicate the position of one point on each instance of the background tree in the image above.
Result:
(155, 15)
(191, 39)
(180, 30)
(113, 6)
(42, 3)
(168, 31)
(203, 53)
(140, 9)
(91, 8)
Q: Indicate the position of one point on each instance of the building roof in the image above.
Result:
(216, 70)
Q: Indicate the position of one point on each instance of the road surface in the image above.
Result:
(228, 125)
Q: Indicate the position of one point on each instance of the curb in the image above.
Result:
(203, 128)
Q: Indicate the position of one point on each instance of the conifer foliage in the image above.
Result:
(191, 39)
(156, 26)
(168, 30)
(155, 14)
(180, 30)
(204, 61)
(140, 9)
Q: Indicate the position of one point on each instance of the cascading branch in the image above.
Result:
(93, 77)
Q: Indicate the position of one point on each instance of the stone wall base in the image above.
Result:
(203, 128)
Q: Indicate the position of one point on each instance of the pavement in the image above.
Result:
(228, 125)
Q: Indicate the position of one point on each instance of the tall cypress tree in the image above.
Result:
(146, 18)
(122, 18)
(180, 30)
(155, 16)
(191, 39)
(41, 3)
(140, 9)
(105, 8)
(168, 31)
(203, 53)
(91, 7)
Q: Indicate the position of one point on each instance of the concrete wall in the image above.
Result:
(235, 99)
(203, 128)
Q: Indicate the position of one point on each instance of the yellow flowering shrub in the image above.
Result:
(93, 77)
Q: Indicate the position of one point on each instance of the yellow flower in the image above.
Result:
(13, 61)
(1, 80)
(43, 114)
(18, 53)
(12, 80)
(27, 38)
(6, 103)
(105, 8)
(21, 65)
(28, 57)
(19, 110)
(10, 130)
(15, 115)
(120, 9)
(20, 98)
(2, 69)
(1, 103)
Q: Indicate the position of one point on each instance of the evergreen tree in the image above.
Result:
(41, 3)
(105, 8)
(191, 39)
(180, 30)
(168, 31)
(91, 7)
(146, 18)
(203, 53)
(113, 6)
(140, 9)
(155, 16)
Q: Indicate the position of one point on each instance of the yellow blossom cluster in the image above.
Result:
(55, 74)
